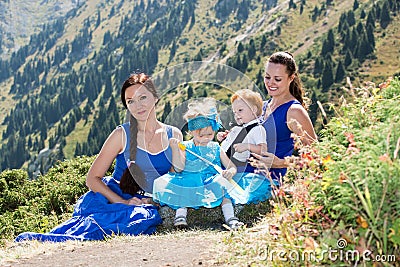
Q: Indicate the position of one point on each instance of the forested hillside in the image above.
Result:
(59, 92)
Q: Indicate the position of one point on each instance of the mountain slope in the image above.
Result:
(56, 91)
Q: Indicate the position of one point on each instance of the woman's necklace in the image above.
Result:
(148, 143)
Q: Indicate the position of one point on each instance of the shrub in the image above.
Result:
(361, 185)
(41, 204)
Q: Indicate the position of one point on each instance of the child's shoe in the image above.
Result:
(180, 222)
(234, 223)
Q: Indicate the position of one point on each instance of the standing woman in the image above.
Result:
(283, 114)
(121, 204)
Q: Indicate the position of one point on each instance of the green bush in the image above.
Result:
(41, 204)
(361, 185)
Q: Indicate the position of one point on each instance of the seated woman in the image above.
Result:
(283, 114)
(121, 204)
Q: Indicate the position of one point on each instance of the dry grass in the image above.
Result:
(387, 53)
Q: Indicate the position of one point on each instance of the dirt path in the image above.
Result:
(190, 248)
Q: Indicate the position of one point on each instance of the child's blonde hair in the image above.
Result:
(202, 107)
(202, 113)
(250, 97)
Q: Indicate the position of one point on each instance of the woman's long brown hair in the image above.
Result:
(133, 175)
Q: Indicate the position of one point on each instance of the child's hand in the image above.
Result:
(241, 147)
(174, 142)
(222, 135)
(227, 174)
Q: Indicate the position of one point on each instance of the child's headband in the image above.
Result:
(205, 121)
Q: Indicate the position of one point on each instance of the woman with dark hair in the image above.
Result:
(140, 147)
(121, 204)
(284, 114)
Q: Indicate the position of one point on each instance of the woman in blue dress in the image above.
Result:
(284, 114)
(121, 204)
(202, 182)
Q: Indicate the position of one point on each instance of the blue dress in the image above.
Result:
(195, 186)
(152, 165)
(200, 185)
(279, 139)
(95, 218)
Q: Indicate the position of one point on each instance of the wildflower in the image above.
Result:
(326, 160)
(385, 158)
(307, 156)
(361, 222)
(386, 83)
(350, 139)
(342, 177)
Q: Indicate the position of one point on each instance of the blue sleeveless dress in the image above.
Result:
(95, 218)
(152, 165)
(195, 186)
(279, 139)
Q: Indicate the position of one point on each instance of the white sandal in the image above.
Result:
(180, 222)
(234, 223)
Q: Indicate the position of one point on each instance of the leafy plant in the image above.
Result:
(39, 205)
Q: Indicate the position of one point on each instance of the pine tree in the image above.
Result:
(263, 42)
(251, 51)
(351, 20)
(318, 66)
(370, 35)
(364, 48)
(340, 72)
(362, 14)
(240, 48)
(327, 76)
(342, 20)
(166, 112)
(360, 28)
(189, 92)
(172, 51)
(328, 45)
(315, 14)
(370, 19)
(313, 108)
(348, 59)
(108, 87)
(98, 21)
(385, 15)
(355, 4)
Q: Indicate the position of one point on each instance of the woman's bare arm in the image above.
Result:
(111, 147)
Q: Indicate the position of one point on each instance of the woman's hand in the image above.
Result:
(266, 160)
(222, 135)
(134, 201)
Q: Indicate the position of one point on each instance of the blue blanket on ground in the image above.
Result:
(95, 218)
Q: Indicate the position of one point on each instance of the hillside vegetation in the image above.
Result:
(341, 196)
(59, 92)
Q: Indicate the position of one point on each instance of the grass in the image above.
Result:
(387, 54)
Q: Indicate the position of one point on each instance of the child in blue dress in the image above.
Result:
(199, 184)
